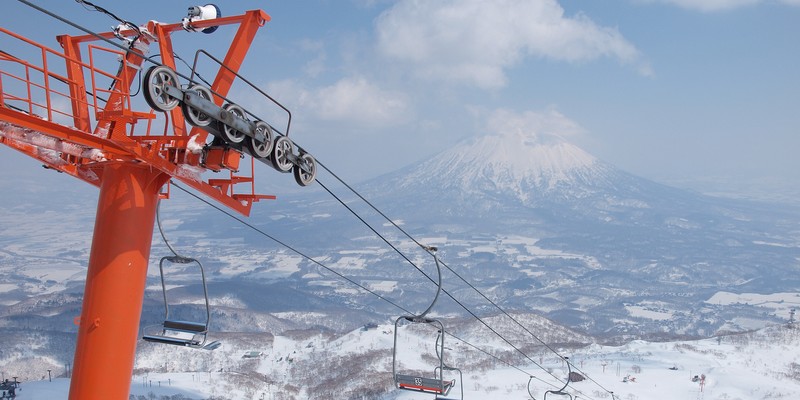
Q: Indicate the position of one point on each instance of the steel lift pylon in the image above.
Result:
(100, 138)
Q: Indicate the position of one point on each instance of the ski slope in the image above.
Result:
(758, 365)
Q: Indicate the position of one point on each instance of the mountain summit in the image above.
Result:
(533, 170)
(512, 163)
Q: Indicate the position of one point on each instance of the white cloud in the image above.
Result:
(721, 5)
(360, 100)
(353, 100)
(475, 41)
(541, 124)
(317, 65)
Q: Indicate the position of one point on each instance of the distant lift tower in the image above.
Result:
(63, 109)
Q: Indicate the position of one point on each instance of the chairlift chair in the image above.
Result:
(436, 385)
(179, 332)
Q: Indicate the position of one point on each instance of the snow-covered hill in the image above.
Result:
(357, 365)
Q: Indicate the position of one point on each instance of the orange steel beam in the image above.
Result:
(62, 132)
(110, 150)
(115, 282)
(238, 49)
(77, 84)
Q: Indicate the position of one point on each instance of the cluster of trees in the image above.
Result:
(328, 375)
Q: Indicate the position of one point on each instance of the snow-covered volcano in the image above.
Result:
(516, 162)
(503, 171)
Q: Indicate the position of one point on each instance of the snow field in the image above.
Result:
(758, 365)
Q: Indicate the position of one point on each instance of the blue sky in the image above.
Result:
(672, 90)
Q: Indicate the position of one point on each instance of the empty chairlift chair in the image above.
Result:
(180, 332)
(174, 331)
(434, 385)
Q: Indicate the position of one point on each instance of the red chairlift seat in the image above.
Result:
(428, 385)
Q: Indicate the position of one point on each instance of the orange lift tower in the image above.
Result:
(61, 108)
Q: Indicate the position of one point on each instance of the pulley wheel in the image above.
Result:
(193, 115)
(156, 80)
(306, 170)
(229, 132)
(261, 143)
(281, 154)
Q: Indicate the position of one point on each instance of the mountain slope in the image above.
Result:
(544, 173)
(591, 245)
(515, 163)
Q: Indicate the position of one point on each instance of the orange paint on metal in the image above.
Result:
(115, 281)
(219, 158)
(80, 104)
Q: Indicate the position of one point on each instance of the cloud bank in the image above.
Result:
(475, 41)
(535, 124)
(354, 100)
